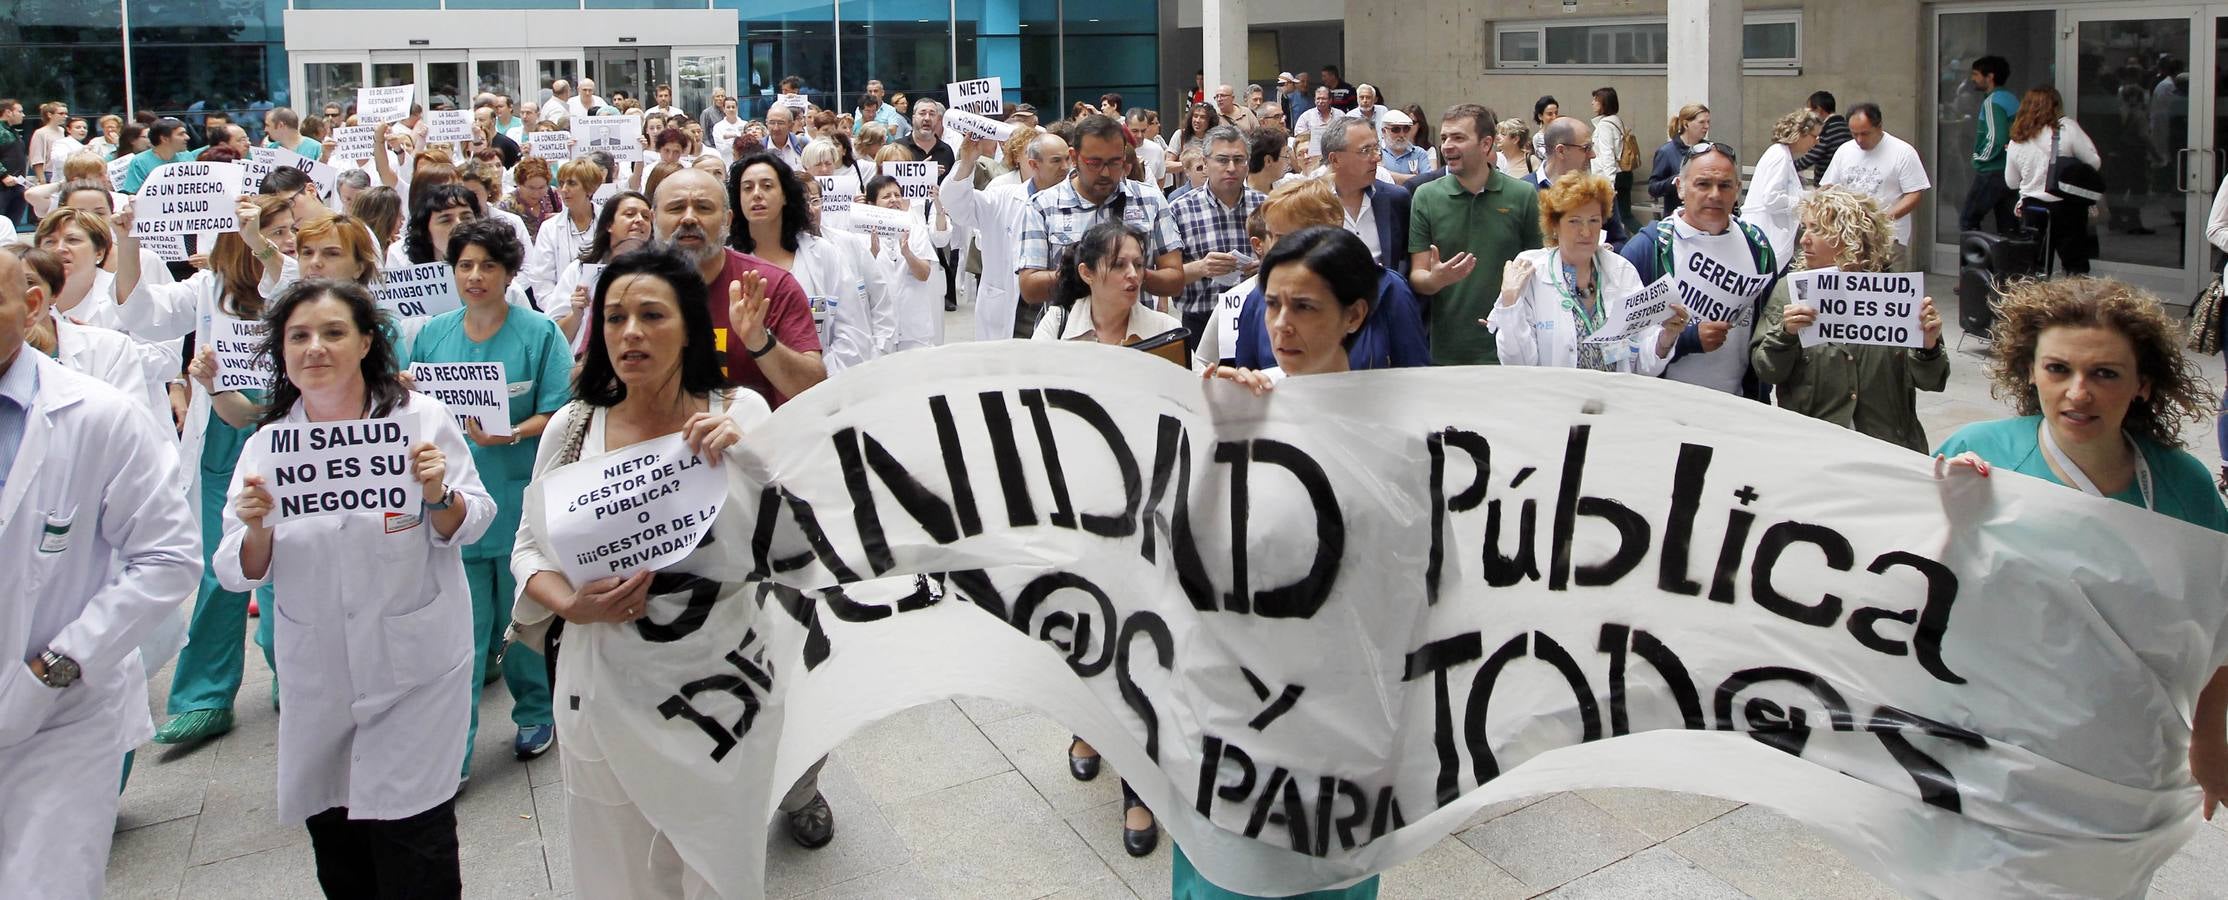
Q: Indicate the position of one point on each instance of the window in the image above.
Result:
(1769, 40)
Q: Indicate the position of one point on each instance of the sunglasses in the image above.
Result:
(1709, 146)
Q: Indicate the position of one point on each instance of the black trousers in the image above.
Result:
(12, 203)
(1990, 196)
(387, 859)
(1198, 323)
(2065, 230)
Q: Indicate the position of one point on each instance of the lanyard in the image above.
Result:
(2081, 479)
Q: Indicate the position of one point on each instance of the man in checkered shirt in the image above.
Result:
(1212, 222)
(1057, 217)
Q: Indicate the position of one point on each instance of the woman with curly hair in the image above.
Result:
(2095, 370)
(1869, 388)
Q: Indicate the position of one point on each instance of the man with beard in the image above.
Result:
(762, 322)
(1724, 266)
(1404, 158)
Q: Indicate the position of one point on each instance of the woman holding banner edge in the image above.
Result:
(243, 270)
(537, 372)
(1868, 388)
(373, 615)
(651, 370)
(2095, 370)
(1316, 288)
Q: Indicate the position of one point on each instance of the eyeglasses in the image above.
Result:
(1588, 148)
(1231, 161)
(1367, 150)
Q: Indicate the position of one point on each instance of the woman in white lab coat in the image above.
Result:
(374, 619)
(1776, 186)
(774, 221)
(1554, 299)
(914, 271)
(651, 371)
(244, 269)
(623, 222)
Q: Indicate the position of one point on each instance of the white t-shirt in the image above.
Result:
(2027, 163)
(1886, 172)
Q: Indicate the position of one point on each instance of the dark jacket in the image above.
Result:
(1663, 177)
(1389, 203)
(1390, 338)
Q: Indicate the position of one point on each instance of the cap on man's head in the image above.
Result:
(1396, 117)
(1282, 77)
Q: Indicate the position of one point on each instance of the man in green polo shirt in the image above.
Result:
(167, 138)
(1473, 218)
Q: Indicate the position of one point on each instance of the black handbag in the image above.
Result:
(2072, 180)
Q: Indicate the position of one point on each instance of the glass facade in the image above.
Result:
(192, 56)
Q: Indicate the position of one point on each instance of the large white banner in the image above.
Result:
(1317, 630)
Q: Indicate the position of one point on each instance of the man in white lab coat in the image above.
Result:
(996, 215)
(98, 546)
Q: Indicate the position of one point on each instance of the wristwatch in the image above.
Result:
(61, 671)
(448, 498)
(771, 341)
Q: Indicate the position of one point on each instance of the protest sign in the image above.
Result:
(838, 192)
(1860, 307)
(797, 104)
(604, 193)
(166, 247)
(620, 136)
(916, 179)
(118, 168)
(550, 145)
(263, 161)
(591, 275)
(472, 390)
(1317, 631)
(980, 96)
(189, 198)
(241, 365)
(1711, 284)
(323, 468)
(384, 104)
(448, 126)
(974, 127)
(356, 142)
(869, 219)
(1628, 316)
(416, 292)
(640, 508)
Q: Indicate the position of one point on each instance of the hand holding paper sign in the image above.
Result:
(606, 600)
(709, 434)
(252, 504)
(432, 470)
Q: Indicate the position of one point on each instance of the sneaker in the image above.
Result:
(813, 826)
(533, 741)
(194, 725)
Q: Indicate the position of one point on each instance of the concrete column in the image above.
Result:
(1705, 67)
(1223, 29)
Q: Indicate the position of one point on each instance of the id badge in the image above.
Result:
(54, 535)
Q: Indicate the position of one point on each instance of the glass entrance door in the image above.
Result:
(636, 70)
(2126, 74)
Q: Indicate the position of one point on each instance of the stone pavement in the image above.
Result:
(971, 799)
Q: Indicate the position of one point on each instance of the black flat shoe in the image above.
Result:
(813, 826)
(1138, 841)
(1084, 768)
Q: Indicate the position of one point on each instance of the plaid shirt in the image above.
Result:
(1057, 217)
(1210, 227)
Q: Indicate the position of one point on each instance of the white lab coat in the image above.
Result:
(555, 246)
(374, 633)
(919, 304)
(995, 214)
(97, 548)
(841, 277)
(1538, 331)
(1772, 196)
(112, 358)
